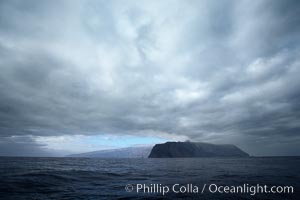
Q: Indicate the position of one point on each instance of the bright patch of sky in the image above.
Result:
(81, 143)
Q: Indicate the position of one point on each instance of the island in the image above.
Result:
(127, 152)
(195, 149)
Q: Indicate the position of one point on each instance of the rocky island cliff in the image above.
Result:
(195, 149)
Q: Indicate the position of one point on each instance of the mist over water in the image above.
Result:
(93, 178)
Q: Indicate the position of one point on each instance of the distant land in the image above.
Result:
(195, 149)
(128, 152)
(169, 150)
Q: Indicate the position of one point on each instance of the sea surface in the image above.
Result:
(93, 178)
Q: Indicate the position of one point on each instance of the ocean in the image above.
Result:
(185, 178)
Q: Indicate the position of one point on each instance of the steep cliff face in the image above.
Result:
(193, 149)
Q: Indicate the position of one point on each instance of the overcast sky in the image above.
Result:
(82, 75)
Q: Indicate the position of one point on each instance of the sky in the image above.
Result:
(78, 76)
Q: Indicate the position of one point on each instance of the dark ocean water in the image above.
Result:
(92, 178)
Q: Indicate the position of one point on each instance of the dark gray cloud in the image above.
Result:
(204, 70)
(22, 146)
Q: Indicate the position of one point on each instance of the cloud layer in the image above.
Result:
(224, 72)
